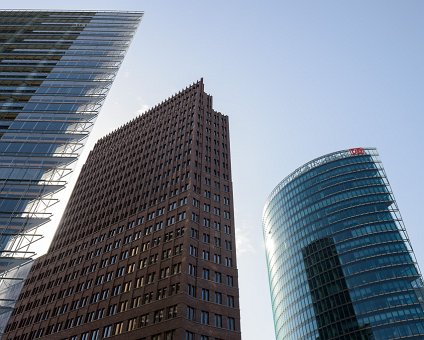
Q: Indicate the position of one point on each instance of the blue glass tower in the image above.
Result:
(339, 259)
(56, 68)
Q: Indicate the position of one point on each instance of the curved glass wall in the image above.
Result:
(339, 260)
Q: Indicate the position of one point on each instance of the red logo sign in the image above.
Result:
(357, 151)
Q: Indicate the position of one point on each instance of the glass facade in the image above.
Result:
(56, 68)
(339, 259)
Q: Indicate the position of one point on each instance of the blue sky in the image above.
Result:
(298, 79)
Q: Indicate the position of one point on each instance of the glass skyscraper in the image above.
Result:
(339, 259)
(56, 68)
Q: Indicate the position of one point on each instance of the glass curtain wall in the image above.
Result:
(339, 259)
(56, 68)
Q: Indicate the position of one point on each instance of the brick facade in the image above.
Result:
(146, 246)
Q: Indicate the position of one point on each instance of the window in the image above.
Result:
(206, 238)
(191, 290)
(164, 272)
(159, 225)
(136, 302)
(99, 280)
(178, 249)
(191, 269)
(144, 320)
(151, 277)
(95, 297)
(130, 268)
(166, 254)
(127, 286)
(205, 294)
(118, 328)
(145, 246)
(109, 276)
(78, 320)
(231, 324)
(124, 255)
(95, 334)
(181, 216)
(170, 220)
(116, 290)
(228, 245)
(218, 297)
(192, 250)
(139, 282)
(132, 324)
(174, 288)
(205, 273)
(230, 280)
(230, 301)
(123, 306)
(172, 312)
(133, 251)
(99, 313)
(189, 335)
(147, 297)
(107, 331)
(194, 233)
(190, 313)
(176, 268)
(168, 236)
(158, 316)
(218, 320)
(204, 317)
(194, 217)
(112, 310)
(170, 335)
(205, 255)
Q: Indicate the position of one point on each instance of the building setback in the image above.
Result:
(146, 246)
(339, 259)
(56, 68)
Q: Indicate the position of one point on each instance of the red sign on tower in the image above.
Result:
(357, 151)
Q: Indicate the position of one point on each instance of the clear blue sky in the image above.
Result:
(298, 79)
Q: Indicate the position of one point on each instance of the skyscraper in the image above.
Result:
(339, 259)
(56, 68)
(146, 246)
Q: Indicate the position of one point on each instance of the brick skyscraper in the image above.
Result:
(146, 246)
